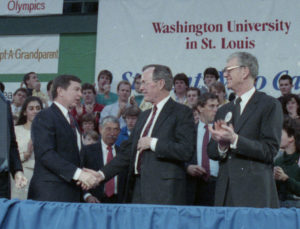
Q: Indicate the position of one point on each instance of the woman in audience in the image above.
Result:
(30, 108)
(291, 106)
(287, 170)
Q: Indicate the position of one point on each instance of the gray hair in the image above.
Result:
(107, 119)
(246, 59)
(162, 72)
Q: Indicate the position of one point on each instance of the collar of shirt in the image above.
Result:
(63, 110)
(246, 97)
(105, 151)
(161, 104)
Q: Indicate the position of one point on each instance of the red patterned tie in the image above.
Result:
(205, 159)
(109, 185)
(145, 133)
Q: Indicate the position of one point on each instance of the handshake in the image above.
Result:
(89, 178)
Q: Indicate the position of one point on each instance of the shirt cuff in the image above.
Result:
(234, 144)
(153, 144)
(86, 196)
(102, 174)
(77, 174)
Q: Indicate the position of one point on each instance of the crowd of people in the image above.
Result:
(159, 141)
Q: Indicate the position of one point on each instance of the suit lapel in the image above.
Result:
(249, 109)
(143, 118)
(165, 113)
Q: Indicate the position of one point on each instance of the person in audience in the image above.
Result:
(131, 115)
(19, 97)
(30, 108)
(97, 155)
(287, 166)
(2, 87)
(88, 123)
(202, 171)
(196, 114)
(210, 76)
(181, 85)
(49, 87)
(219, 90)
(105, 96)
(56, 145)
(30, 80)
(291, 106)
(192, 96)
(89, 104)
(285, 86)
(90, 137)
(161, 142)
(245, 139)
(138, 97)
(38, 93)
(117, 109)
(10, 162)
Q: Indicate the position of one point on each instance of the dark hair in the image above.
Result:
(2, 87)
(137, 76)
(88, 86)
(49, 84)
(93, 134)
(219, 86)
(292, 128)
(123, 82)
(106, 73)
(64, 82)
(205, 97)
(211, 71)
(161, 72)
(88, 117)
(183, 77)
(194, 89)
(20, 89)
(286, 77)
(27, 77)
(23, 118)
(132, 111)
(286, 99)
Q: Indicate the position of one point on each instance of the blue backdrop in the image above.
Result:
(52, 215)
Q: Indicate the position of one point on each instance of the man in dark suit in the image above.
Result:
(202, 171)
(159, 145)
(97, 155)
(56, 144)
(245, 139)
(9, 153)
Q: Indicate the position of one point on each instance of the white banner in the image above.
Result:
(30, 7)
(22, 54)
(192, 35)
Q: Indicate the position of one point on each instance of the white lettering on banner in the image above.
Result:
(191, 36)
(30, 7)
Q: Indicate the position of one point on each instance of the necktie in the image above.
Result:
(72, 123)
(237, 110)
(205, 159)
(109, 185)
(145, 133)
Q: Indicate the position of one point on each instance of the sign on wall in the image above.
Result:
(191, 35)
(33, 53)
(30, 7)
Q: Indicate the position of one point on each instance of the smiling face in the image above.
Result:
(109, 132)
(208, 111)
(233, 74)
(32, 109)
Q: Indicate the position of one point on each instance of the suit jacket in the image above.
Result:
(56, 158)
(248, 170)
(162, 175)
(14, 162)
(92, 158)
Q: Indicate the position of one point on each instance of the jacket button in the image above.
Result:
(229, 157)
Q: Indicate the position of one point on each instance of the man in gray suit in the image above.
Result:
(245, 139)
(159, 145)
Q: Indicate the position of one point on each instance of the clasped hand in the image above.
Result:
(222, 133)
(89, 178)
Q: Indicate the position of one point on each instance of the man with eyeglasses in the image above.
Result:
(245, 138)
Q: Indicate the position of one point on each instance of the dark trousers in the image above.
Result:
(137, 194)
(4, 185)
(205, 192)
(110, 200)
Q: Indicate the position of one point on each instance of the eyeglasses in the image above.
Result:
(228, 69)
